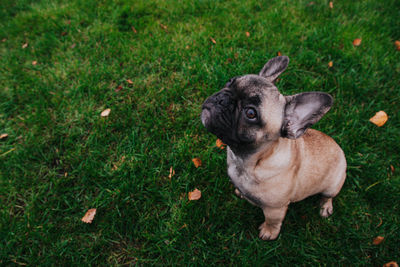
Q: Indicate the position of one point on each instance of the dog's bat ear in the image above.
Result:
(302, 111)
(274, 68)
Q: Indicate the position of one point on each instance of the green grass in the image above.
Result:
(58, 158)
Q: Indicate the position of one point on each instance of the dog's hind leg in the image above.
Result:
(328, 195)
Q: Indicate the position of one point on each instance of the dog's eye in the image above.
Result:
(251, 113)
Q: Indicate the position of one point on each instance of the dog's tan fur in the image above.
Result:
(284, 161)
(288, 171)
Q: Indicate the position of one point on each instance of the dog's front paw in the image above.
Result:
(326, 211)
(326, 207)
(268, 232)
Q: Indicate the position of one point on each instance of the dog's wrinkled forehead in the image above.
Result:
(252, 88)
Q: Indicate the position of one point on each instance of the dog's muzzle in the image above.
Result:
(205, 116)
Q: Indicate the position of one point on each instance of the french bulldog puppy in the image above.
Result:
(273, 158)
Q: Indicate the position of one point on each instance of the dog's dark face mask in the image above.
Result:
(249, 110)
(234, 113)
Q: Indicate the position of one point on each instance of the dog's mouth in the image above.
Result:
(223, 133)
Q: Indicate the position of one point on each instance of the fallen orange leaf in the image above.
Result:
(171, 172)
(391, 166)
(331, 4)
(89, 216)
(25, 45)
(105, 112)
(330, 64)
(220, 144)
(357, 42)
(391, 264)
(4, 135)
(196, 162)
(213, 40)
(119, 88)
(129, 81)
(397, 44)
(34, 62)
(379, 119)
(378, 240)
(195, 194)
(247, 34)
(279, 54)
(133, 29)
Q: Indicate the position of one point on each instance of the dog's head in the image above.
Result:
(250, 111)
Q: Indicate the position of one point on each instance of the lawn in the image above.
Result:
(153, 63)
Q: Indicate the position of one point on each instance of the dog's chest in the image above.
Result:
(241, 179)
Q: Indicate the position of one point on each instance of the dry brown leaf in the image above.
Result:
(34, 62)
(119, 88)
(379, 119)
(105, 112)
(391, 166)
(279, 54)
(380, 222)
(331, 4)
(117, 164)
(220, 144)
(25, 45)
(247, 34)
(378, 240)
(72, 46)
(196, 162)
(133, 29)
(3, 136)
(195, 194)
(357, 42)
(129, 81)
(391, 264)
(171, 173)
(213, 40)
(164, 27)
(89, 216)
(330, 64)
(4, 39)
